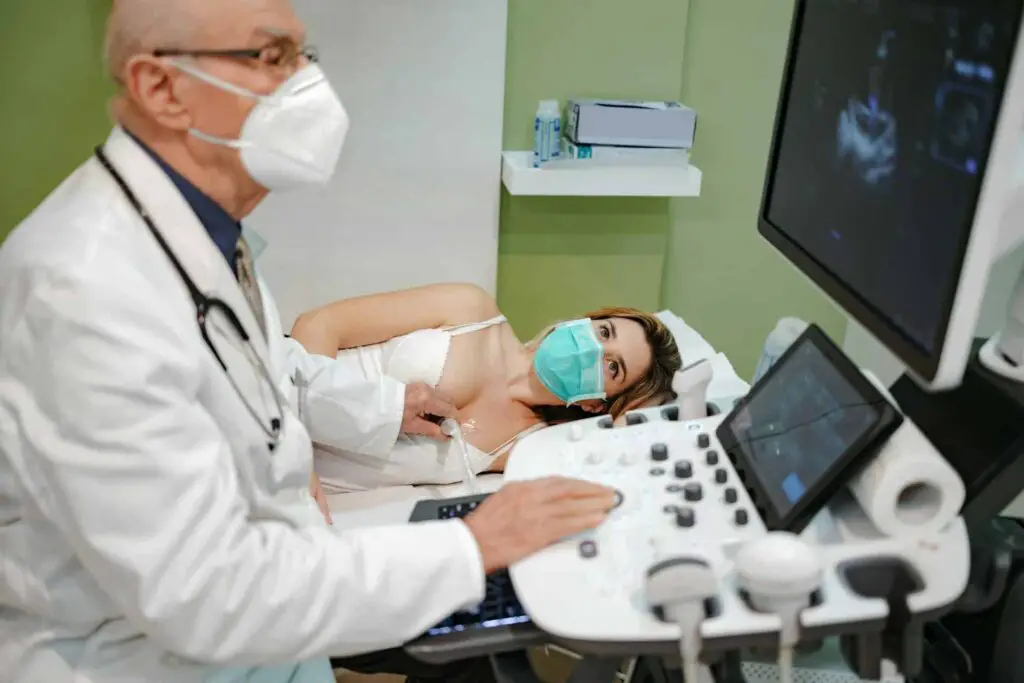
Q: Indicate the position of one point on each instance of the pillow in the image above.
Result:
(726, 384)
(692, 346)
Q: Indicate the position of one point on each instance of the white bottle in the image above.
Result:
(547, 132)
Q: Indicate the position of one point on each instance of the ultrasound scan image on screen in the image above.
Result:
(884, 137)
(801, 421)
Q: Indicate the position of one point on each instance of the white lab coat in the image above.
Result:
(146, 532)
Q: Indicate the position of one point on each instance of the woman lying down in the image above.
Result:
(454, 338)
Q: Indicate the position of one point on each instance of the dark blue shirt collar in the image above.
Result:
(223, 229)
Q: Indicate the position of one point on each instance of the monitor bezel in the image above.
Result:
(944, 367)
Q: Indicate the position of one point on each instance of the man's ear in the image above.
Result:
(150, 84)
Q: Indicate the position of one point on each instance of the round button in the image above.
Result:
(575, 431)
(657, 471)
(712, 458)
(627, 459)
(659, 452)
(683, 469)
(672, 509)
(685, 517)
(595, 457)
(741, 517)
(730, 495)
(618, 499)
(588, 549)
(692, 492)
(721, 475)
(703, 441)
(674, 488)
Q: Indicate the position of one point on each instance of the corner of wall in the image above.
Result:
(719, 274)
(560, 257)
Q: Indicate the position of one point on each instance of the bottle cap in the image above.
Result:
(549, 107)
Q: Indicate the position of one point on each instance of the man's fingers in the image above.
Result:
(581, 507)
(439, 406)
(564, 487)
(425, 428)
(325, 508)
(558, 528)
(321, 502)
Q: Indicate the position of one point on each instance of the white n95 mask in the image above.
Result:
(293, 136)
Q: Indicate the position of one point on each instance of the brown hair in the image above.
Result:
(653, 386)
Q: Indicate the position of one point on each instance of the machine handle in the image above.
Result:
(978, 598)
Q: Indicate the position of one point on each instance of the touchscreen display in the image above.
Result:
(799, 422)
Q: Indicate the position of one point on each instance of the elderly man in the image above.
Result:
(155, 521)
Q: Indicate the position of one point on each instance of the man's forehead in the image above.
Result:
(253, 22)
(295, 32)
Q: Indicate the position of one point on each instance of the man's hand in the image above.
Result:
(524, 517)
(317, 491)
(420, 401)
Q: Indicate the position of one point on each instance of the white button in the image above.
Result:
(595, 457)
(627, 459)
(575, 432)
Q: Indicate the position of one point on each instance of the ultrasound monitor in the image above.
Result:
(892, 180)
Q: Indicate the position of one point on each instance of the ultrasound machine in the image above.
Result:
(894, 183)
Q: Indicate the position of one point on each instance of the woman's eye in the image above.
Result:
(605, 334)
(613, 367)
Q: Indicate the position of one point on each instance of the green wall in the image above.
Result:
(720, 275)
(53, 110)
(701, 257)
(561, 257)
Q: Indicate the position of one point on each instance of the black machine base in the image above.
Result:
(979, 429)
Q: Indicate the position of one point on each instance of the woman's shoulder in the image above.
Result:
(466, 303)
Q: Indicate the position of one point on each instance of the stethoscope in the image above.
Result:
(205, 306)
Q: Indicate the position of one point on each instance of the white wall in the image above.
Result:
(415, 199)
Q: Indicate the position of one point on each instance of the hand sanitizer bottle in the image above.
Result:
(547, 132)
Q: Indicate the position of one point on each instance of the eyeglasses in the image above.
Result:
(282, 53)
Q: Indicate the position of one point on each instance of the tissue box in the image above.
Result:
(628, 123)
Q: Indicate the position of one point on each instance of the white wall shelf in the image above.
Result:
(521, 178)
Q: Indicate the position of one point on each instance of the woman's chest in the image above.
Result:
(474, 366)
(493, 421)
(476, 380)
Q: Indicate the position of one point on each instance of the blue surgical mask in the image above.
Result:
(568, 362)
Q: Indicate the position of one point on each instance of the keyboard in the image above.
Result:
(500, 606)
